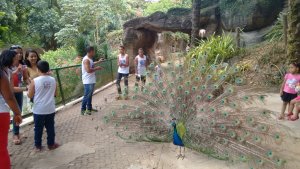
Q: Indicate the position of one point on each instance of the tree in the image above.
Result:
(294, 30)
(195, 21)
(165, 5)
(3, 29)
(44, 21)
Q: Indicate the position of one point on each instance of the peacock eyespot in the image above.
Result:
(270, 154)
(246, 98)
(197, 78)
(203, 87)
(209, 77)
(187, 92)
(198, 97)
(180, 87)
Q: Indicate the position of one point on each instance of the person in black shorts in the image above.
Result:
(287, 90)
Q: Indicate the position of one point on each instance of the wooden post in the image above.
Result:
(285, 30)
(238, 37)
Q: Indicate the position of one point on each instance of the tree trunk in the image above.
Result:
(294, 30)
(195, 22)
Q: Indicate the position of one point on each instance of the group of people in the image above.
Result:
(290, 93)
(17, 75)
(89, 75)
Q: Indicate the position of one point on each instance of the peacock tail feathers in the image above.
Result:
(215, 114)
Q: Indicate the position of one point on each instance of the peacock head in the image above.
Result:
(174, 122)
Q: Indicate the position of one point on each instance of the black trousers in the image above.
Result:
(119, 77)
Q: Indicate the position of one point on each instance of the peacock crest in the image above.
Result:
(208, 107)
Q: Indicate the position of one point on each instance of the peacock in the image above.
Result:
(202, 107)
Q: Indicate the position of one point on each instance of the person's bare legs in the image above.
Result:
(281, 116)
(291, 106)
(296, 112)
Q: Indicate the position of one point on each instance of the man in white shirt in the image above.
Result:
(123, 71)
(140, 68)
(89, 80)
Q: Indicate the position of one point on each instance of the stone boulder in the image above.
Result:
(142, 32)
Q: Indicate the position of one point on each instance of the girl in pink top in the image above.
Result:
(287, 91)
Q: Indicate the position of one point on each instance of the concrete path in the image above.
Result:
(88, 144)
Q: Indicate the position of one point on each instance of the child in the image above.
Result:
(140, 68)
(287, 91)
(123, 71)
(43, 90)
(158, 71)
(294, 116)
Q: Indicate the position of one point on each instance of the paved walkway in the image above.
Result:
(88, 144)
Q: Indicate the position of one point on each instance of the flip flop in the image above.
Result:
(290, 118)
(281, 117)
(289, 114)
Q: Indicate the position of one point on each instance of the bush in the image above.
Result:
(61, 57)
(215, 49)
(276, 33)
(81, 44)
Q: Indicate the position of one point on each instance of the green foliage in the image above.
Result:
(165, 5)
(60, 57)
(81, 44)
(44, 21)
(237, 7)
(276, 33)
(216, 49)
(3, 29)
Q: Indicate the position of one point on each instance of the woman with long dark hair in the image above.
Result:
(7, 97)
(19, 82)
(31, 59)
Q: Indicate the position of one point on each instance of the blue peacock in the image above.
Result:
(204, 108)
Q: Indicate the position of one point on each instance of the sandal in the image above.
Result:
(289, 114)
(281, 117)
(291, 118)
(16, 140)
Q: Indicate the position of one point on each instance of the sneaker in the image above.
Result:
(54, 146)
(94, 110)
(82, 112)
(126, 97)
(118, 98)
(88, 112)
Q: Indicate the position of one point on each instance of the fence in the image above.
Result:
(70, 85)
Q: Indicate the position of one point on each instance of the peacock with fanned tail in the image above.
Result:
(202, 107)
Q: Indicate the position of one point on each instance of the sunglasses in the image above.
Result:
(15, 47)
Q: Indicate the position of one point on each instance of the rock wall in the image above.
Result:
(142, 32)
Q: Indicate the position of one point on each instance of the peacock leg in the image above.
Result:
(179, 155)
(183, 154)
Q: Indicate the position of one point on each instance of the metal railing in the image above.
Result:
(70, 85)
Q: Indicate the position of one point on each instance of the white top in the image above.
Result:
(88, 78)
(3, 106)
(141, 67)
(44, 102)
(123, 69)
